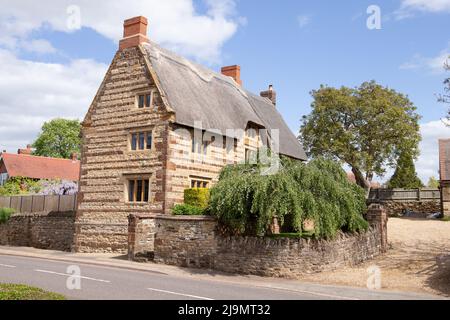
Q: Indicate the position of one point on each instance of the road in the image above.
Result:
(112, 283)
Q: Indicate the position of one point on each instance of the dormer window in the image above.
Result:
(144, 100)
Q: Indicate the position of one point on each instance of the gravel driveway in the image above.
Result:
(418, 260)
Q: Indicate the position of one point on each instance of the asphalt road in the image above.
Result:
(110, 283)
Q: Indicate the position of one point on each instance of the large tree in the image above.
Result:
(58, 138)
(405, 175)
(365, 127)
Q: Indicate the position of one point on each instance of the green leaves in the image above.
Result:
(59, 138)
(246, 202)
(405, 175)
(365, 127)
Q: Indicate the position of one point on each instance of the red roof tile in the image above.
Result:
(21, 165)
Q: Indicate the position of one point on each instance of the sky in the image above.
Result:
(53, 56)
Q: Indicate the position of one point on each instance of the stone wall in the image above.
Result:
(420, 208)
(53, 230)
(193, 242)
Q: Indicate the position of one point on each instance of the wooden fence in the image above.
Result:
(404, 195)
(34, 204)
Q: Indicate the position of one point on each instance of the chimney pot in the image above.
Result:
(233, 72)
(270, 94)
(27, 151)
(134, 32)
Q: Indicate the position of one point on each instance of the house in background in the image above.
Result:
(25, 165)
(444, 173)
(158, 125)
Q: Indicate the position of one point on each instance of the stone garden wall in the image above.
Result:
(54, 230)
(194, 242)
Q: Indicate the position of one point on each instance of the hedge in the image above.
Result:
(197, 197)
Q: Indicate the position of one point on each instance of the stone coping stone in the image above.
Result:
(173, 217)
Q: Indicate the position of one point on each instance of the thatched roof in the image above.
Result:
(196, 93)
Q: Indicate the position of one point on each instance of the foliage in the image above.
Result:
(245, 202)
(23, 292)
(405, 175)
(58, 187)
(18, 186)
(365, 127)
(198, 197)
(5, 214)
(445, 97)
(433, 183)
(446, 218)
(187, 210)
(59, 138)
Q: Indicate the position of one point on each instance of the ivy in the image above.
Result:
(246, 202)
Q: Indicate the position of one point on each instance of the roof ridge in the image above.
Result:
(41, 157)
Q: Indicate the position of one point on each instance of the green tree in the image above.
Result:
(365, 127)
(59, 138)
(405, 175)
(433, 183)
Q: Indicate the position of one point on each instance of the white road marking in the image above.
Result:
(310, 292)
(71, 275)
(179, 294)
(6, 265)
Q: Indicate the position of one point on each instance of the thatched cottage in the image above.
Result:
(160, 124)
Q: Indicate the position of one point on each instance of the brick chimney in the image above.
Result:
(134, 32)
(27, 151)
(233, 72)
(270, 94)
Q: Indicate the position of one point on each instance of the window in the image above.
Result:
(3, 178)
(138, 190)
(144, 100)
(252, 133)
(199, 146)
(200, 183)
(251, 156)
(141, 141)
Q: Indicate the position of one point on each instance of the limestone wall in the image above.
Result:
(107, 160)
(193, 242)
(53, 231)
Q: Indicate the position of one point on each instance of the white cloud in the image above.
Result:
(433, 64)
(303, 20)
(34, 92)
(428, 163)
(175, 24)
(39, 46)
(409, 7)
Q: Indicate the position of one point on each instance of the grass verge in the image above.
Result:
(23, 292)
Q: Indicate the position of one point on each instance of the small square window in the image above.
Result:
(144, 100)
(138, 190)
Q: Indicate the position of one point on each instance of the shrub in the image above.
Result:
(245, 202)
(187, 210)
(19, 185)
(198, 197)
(5, 214)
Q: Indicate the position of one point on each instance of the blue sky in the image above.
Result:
(294, 45)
